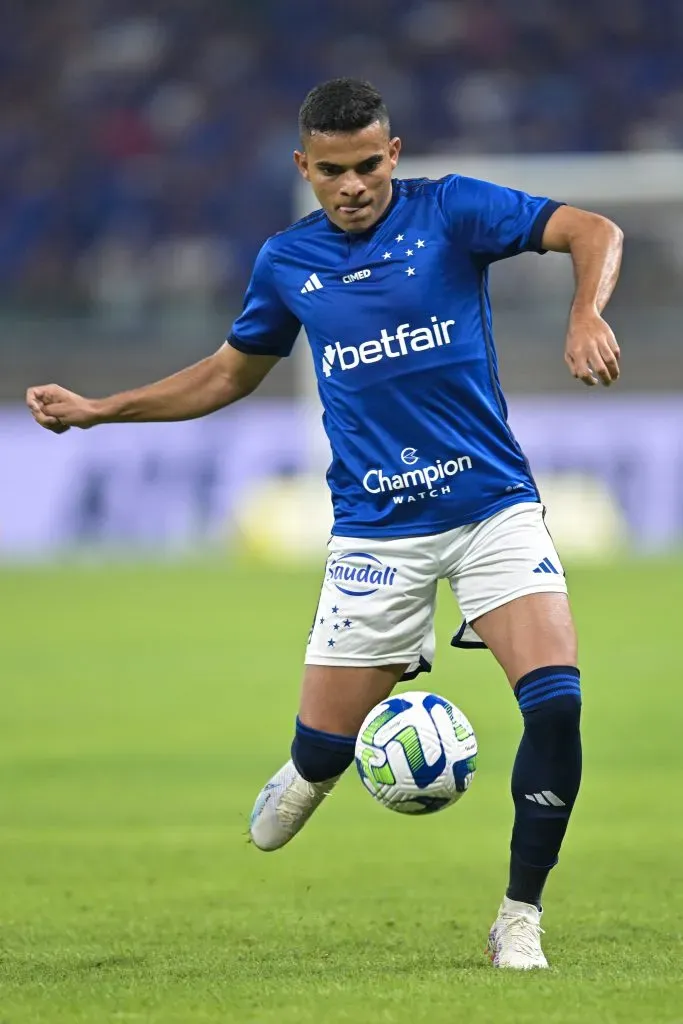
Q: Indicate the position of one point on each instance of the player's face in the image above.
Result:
(350, 173)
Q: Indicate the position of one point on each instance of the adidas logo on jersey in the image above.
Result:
(348, 357)
(313, 284)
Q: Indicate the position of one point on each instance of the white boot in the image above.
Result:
(283, 807)
(515, 937)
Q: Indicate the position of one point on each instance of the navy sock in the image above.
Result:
(545, 777)
(319, 756)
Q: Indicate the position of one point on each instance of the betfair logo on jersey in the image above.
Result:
(359, 574)
(401, 343)
(420, 483)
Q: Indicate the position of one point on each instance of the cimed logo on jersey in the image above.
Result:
(404, 340)
(360, 275)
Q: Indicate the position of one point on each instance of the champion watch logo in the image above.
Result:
(313, 284)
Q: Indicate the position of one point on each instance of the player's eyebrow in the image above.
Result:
(368, 164)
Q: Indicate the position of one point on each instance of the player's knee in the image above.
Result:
(550, 700)
(319, 756)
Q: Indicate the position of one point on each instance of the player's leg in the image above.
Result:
(334, 702)
(523, 617)
(373, 621)
(534, 640)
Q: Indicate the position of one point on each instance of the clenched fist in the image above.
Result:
(57, 409)
(591, 351)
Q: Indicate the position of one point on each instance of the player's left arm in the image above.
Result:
(595, 246)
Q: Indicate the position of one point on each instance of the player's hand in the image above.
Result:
(591, 352)
(57, 409)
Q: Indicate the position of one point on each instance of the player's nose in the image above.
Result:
(353, 187)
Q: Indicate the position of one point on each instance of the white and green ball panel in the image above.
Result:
(416, 753)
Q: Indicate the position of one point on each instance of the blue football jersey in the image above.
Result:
(398, 319)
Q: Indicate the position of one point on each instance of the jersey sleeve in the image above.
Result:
(495, 222)
(266, 326)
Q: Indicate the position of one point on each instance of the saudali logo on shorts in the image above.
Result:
(359, 574)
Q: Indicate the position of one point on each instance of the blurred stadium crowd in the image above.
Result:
(145, 145)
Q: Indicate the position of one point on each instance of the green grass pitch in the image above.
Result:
(142, 709)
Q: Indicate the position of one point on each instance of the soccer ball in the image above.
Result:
(416, 753)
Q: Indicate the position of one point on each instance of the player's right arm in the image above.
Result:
(263, 333)
(221, 379)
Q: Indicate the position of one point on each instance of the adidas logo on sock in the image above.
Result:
(312, 285)
(546, 798)
(546, 566)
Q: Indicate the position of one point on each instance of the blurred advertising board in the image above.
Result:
(610, 468)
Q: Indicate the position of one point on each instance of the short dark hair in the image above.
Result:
(342, 105)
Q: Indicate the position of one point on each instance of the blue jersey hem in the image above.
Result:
(428, 529)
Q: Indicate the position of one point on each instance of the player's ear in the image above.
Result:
(394, 150)
(301, 161)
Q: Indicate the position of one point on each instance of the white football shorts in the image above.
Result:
(378, 596)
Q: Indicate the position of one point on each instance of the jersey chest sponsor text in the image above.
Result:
(404, 340)
(376, 481)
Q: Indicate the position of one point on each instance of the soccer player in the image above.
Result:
(389, 279)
